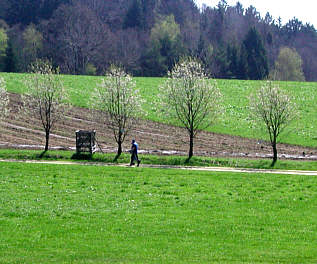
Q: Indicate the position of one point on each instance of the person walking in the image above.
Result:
(134, 153)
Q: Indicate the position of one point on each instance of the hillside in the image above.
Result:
(234, 120)
(229, 137)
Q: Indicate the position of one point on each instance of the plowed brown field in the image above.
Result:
(17, 131)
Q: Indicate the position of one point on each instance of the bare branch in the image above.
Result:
(118, 102)
(190, 98)
(274, 108)
(46, 98)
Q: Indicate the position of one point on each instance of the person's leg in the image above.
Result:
(132, 159)
(138, 160)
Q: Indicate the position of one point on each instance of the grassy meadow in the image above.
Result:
(234, 121)
(94, 214)
(91, 214)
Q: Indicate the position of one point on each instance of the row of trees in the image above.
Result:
(146, 37)
(188, 97)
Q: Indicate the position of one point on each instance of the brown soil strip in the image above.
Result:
(26, 132)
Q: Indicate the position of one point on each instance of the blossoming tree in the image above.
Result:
(4, 99)
(274, 109)
(118, 103)
(46, 98)
(190, 99)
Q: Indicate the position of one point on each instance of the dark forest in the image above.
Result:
(147, 37)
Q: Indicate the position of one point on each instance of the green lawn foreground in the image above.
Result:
(92, 214)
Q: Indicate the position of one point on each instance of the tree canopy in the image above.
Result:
(273, 110)
(118, 103)
(288, 66)
(190, 98)
(255, 56)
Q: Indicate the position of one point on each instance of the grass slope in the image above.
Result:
(235, 96)
(72, 214)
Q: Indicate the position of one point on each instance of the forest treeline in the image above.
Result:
(147, 37)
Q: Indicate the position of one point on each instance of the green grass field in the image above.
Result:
(87, 214)
(235, 96)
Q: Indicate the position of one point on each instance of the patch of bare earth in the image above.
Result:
(17, 131)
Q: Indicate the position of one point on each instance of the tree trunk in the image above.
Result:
(119, 151)
(191, 146)
(274, 153)
(47, 137)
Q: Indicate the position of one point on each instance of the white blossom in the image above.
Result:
(4, 99)
(188, 97)
(46, 98)
(119, 103)
(272, 107)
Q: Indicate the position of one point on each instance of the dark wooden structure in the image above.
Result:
(85, 141)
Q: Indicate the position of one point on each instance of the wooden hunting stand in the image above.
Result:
(85, 141)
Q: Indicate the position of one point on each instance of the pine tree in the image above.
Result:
(31, 11)
(222, 63)
(256, 56)
(22, 12)
(3, 48)
(134, 17)
(153, 63)
(242, 72)
(232, 57)
(165, 47)
(10, 60)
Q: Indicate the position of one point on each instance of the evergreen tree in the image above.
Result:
(256, 56)
(23, 12)
(134, 17)
(232, 57)
(48, 7)
(165, 47)
(205, 52)
(242, 72)
(10, 59)
(221, 69)
(3, 48)
(31, 11)
(220, 27)
(153, 63)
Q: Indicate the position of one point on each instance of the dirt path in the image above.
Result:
(210, 169)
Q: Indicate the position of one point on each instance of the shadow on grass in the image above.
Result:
(82, 156)
(42, 154)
